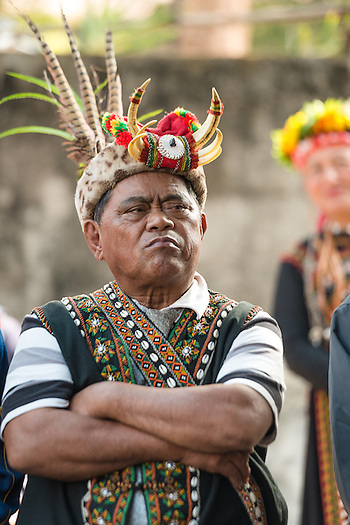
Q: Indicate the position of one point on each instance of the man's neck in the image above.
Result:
(157, 297)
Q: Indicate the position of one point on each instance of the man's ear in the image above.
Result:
(204, 223)
(93, 238)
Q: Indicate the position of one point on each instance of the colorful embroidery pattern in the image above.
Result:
(103, 343)
(147, 346)
(167, 485)
(252, 314)
(195, 341)
(251, 496)
(189, 351)
(333, 512)
(109, 497)
(38, 311)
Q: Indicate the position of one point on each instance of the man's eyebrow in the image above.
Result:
(142, 198)
(133, 200)
(174, 196)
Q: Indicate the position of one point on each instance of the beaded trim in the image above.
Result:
(136, 97)
(148, 348)
(152, 150)
(252, 314)
(215, 107)
(332, 506)
(253, 501)
(186, 159)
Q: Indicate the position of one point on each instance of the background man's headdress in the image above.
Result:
(174, 146)
(317, 125)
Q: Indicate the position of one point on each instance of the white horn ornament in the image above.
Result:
(212, 151)
(206, 131)
(136, 145)
(132, 111)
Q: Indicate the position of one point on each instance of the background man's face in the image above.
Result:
(151, 230)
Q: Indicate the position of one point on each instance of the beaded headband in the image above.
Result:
(174, 146)
(317, 125)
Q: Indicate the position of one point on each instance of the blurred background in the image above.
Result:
(265, 58)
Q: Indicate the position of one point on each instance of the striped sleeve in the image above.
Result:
(255, 359)
(38, 375)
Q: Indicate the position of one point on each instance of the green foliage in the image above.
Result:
(309, 38)
(295, 3)
(37, 96)
(149, 115)
(130, 36)
(35, 81)
(48, 86)
(37, 129)
(322, 38)
(45, 98)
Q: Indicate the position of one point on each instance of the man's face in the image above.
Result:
(150, 232)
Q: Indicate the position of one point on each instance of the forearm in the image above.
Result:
(73, 447)
(216, 418)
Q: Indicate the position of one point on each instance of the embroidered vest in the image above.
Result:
(117, 336)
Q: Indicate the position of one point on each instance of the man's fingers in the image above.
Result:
(239, 476)
(239, 469)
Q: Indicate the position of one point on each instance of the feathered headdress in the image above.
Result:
(83, 124)
(175, 145)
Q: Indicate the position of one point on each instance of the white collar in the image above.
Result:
(196, 297)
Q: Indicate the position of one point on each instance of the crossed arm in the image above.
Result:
(111, 425)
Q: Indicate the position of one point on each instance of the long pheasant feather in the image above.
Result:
(114, 102)
(86, 89)
(72, 119)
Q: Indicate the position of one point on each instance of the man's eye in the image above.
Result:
(137, 209)
(176, 206)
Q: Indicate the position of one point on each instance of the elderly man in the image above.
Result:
(99, 406)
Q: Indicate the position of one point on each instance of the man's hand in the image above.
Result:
(233, 465)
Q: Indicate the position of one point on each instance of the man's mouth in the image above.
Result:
(163, 241)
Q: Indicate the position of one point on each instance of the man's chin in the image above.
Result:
(168, 270)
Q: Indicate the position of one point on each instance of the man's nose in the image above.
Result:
(158, 219)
